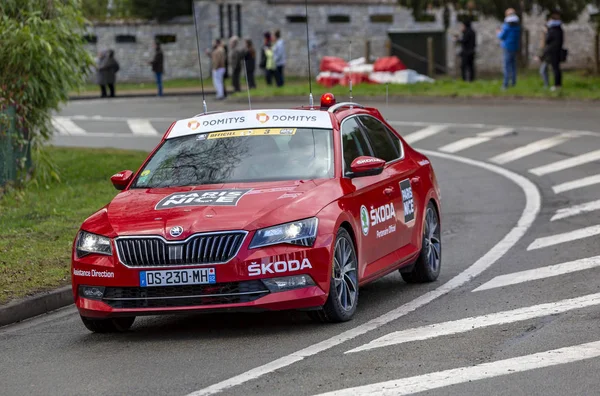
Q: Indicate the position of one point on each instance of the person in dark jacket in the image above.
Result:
(108, 73)
(468, 43)
(250, 61)
(263, 58)
(158, 67)
(554, 47)
(510, 38)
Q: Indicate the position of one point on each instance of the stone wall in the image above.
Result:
(326, 38)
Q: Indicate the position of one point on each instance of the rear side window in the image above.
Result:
(385, 144)
(354, 143)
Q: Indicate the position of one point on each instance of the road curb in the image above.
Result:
(141, 95)
(33, 306)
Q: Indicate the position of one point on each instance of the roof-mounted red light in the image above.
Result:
(327, 100)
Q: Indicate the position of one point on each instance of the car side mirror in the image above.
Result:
(365, 166)
(121, 179)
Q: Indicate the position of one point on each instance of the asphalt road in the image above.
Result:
(474, 331)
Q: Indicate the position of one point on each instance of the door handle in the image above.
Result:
(388, 191)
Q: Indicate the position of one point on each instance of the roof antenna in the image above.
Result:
(387, 96)
(350, 65)
(199, 59)
(247, 84)
(310, 98)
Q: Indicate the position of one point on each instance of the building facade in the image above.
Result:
(344, 28)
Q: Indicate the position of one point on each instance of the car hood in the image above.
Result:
(213, 208)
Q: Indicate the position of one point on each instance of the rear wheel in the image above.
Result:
(112, 325)
(428, 264)
(343, 289)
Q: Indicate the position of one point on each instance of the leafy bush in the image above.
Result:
(42, 59)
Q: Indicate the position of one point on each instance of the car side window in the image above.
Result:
(354, 143)
(385, 144)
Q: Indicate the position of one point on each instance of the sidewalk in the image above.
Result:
(145, 92)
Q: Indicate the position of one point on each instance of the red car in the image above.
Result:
(260, 210)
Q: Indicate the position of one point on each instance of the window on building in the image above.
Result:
(382, 18)
(165, 38)
(425, 18)
(125, 38)
(296, 18)
(90, 38)
(338, 18)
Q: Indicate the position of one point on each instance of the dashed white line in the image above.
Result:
(142, 127)
(424, 133)
(440, 379)
(576, 210)
(575, 184)
(116, 119)
(531, 148)
(475, 140)
(529, 214)
(567, 163)
(478, 322)
(566, 237)
(540, 273)
(65, 126)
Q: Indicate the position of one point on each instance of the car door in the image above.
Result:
(399, 173)
(369, 203)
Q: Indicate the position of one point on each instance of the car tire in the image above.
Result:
(343, 290)
(428, 264)
(113, 325)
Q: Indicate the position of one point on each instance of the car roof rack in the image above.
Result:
(341, 105)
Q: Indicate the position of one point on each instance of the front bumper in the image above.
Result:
(238, 286)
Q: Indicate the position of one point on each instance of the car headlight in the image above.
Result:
(88, 243)
(302, 232)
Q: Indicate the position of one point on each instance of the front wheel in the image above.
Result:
(428, 264)
(112, 325)
(343, 289)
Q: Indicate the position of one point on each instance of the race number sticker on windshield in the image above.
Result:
(407, 200)
(202, 198)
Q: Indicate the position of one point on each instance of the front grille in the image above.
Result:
(182, 296)
(198, 249)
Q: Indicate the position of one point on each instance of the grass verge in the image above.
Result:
(38, 225)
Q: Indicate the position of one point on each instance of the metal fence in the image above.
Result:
(12, 151)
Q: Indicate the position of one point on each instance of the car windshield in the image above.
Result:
(240, 156)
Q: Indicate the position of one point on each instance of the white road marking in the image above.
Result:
(117, 119)
(487, 126)
(440, 379)
(575, 210)
(528, 216)
(474, 141)
(65, 126)
(579, 183)
(540, 273)
(567, 163)
(424, 133)
(531, 148)
(478, 322)
(142, 127)
(566, 237)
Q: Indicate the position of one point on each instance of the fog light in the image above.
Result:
(92, 292)
(288, 283)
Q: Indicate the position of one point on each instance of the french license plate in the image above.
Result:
(198, 276)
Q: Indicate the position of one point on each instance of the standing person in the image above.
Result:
(236, 56)
(542, 58)
(100, 80)
(250, 59)
(263, 57)
(554, 47)
(510, 37)
(108, 70)
(158, 67)
(218, 68)
(467, 42)
(279, 58)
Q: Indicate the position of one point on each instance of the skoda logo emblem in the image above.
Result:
(176, 231)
